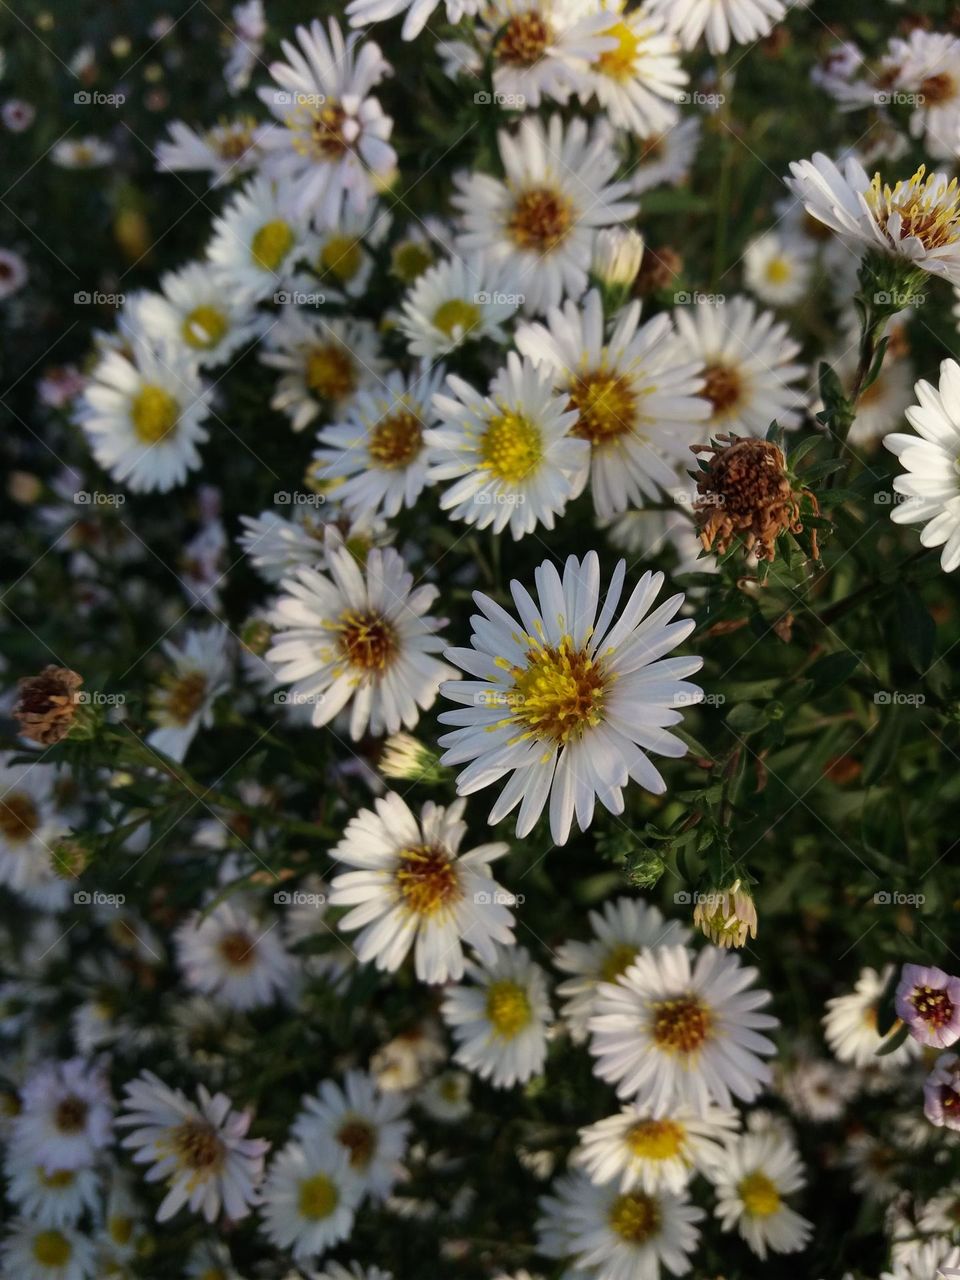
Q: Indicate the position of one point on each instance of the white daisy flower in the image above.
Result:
(509, 452)
(817, 1089)
(654, 1154)
(624, 928)
(193, 309)
(323, 363)
(248, 30)
(82, 153)
(617, 1235)
(309, 1199)
(674, 1030)
(142, 413)
(66, 1115)
(455, 301)
(500, 1020)
(850, 1025)
(916, 222)
(368, 1124)
(35, 1252)
(379, 448)
(339, 257)
(927, 65)
(183, 702)
(639, 80)
(233, 957)
(333, 144)
(638, 396)
(750, 365)
(777, 269)
(931, 486)
(30, 826)
(54, 1198)
(200, 1151)
(360, 635)
(719, 21)
(757, 1173)
(225, 151)
(666, 158)
(418, 12)
(567, 701)
(256, 242)
(413, 887)
(538, 222)
(446, 1097)
(13, 273)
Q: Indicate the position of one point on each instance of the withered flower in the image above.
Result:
(745, 492)
(47, 704)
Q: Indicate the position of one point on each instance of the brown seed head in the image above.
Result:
(47, 704)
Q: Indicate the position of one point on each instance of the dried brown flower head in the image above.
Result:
(47, 704)
(661, 268)
(745, 492)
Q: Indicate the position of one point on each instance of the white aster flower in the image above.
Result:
(225, 151)
(624, 928)
(916, 221)
(455, 301)
(365, 1122)
(309, 1198)
(413, 888)
(850, 1025)
(654, 1153)
(233, 957)
(193, 310)
(35, 1252)
(54, 1198)
(256, 242)
(666, 158)
(446, 1097)
(338, 258)
(757, 1172)
(538, 222)
(183, 702)
(778, 269)
(508, 452)
(200, 1151)
(379, 450)
(817, 1089)
(638, 396)
(362, 635)
(248, 29)
(331, 143)
(82, 153)
(323, 363)
(719, 21)
(66, 1115)
(500, 1019)
(142, 413)
(750, 367)
(617, 1235)
(30, 826)
(567, 701)
(927, 65)
(418, 12)
(931, 485)
(639, 80)
(676, 1030)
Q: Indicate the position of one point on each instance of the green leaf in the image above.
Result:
(895, 1041)
(832, 670)
(746, 718)
(918, 631)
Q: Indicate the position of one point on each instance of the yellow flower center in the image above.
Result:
(181, 698)
(508, 1008)
(318, 1197)
(524, 39)
(154, 413)
(233, 141)
(331, 372)
(635, 1217)
(204, 327)
(759, 1195)
(427, 879)
(367, 641)
(558, 694)
(396, 440)
(51, 1249)
(511, 447)
(926, 211)
(618, 961)
(722, 387)
(57, 1180)
(360, 1139)
(319, 131)
(541, 220)
(271, 244)
(607, 405)
(456, 317)
(341, 256)
(197, 1146)
(655, 1139)
(19, 816)
(680, 1025)
(618, 62)
(410, 260)
(120, 1229)
(779, 270)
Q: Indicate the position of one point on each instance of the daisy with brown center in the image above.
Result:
(757, 1172)
(183, 702)
(379, 448)
(226, 151)
(235, 958)
(413, 889)
(365, 1122)
(360, 635)
(927, 65)
(654, 1154)
(569, 700)
(309, 1198)
(500, 1018)
(66, 1116)
(611, 1234)
(200, 1150)
(509, 452)
(538, 222)
(142, 413)
(30, 829)
(678, 1030)
(636, 396)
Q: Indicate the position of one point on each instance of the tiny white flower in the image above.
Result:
(183, 702)
(756, 1174)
